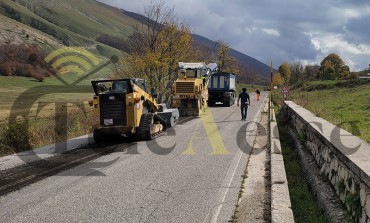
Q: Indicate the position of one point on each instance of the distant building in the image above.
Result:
(365, 77)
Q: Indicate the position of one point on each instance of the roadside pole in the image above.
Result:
(271, 81)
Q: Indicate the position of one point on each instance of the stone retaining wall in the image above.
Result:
(342, 158)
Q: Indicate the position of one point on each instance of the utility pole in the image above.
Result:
(271, 81)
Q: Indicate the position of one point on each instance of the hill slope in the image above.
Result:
(14, 32)
(87, 18)
(80, 22)
(252, 70)
(255, 65)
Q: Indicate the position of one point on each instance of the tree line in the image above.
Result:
(332, 67)
(23, 60)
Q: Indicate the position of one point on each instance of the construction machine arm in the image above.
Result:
(149, 101)
(151, 105)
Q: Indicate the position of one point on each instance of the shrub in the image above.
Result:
(24, 61)
(5, 70)
(39, 77)
(16, 135)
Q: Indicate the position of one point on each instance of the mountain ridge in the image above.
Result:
(80, 23)
(257, 71)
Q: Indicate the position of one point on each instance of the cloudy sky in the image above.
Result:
(278, 30)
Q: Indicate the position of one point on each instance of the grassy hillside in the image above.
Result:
(80, 22)
(13, 87)
(25, 16)
(52, 24)
(14, 32)
(71, 32)
(74, 22)
(343, 103)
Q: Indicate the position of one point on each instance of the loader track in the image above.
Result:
(143, 131)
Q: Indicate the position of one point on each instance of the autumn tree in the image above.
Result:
(155, 48)
(333, 68)
(225, 61)
(285, 72)
(277, 80)
(23, 60)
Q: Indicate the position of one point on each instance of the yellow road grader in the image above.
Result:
(123, 107)
(190, 90)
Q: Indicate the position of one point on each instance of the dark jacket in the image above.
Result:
(244, 98)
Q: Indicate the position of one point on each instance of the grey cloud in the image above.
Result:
(358, 30)
(231, 20)
(353, 3)
(292, 44)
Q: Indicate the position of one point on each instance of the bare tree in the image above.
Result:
(158, 43)
(225, 60)
(296, 71)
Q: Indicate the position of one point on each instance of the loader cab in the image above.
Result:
(141, 83)
(120, 86)
(112, 86)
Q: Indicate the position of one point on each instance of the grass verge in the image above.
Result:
(250, 88)
(304, 206)
(42, 104)
(29, 134)
(346, 104)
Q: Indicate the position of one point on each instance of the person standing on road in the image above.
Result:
(245, 101)
(258, 94)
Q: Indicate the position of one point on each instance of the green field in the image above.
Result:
(15, 90)
(42, 104)
(343, 103)
(250, 88)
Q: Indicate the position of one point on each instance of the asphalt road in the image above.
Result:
(192, 174)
